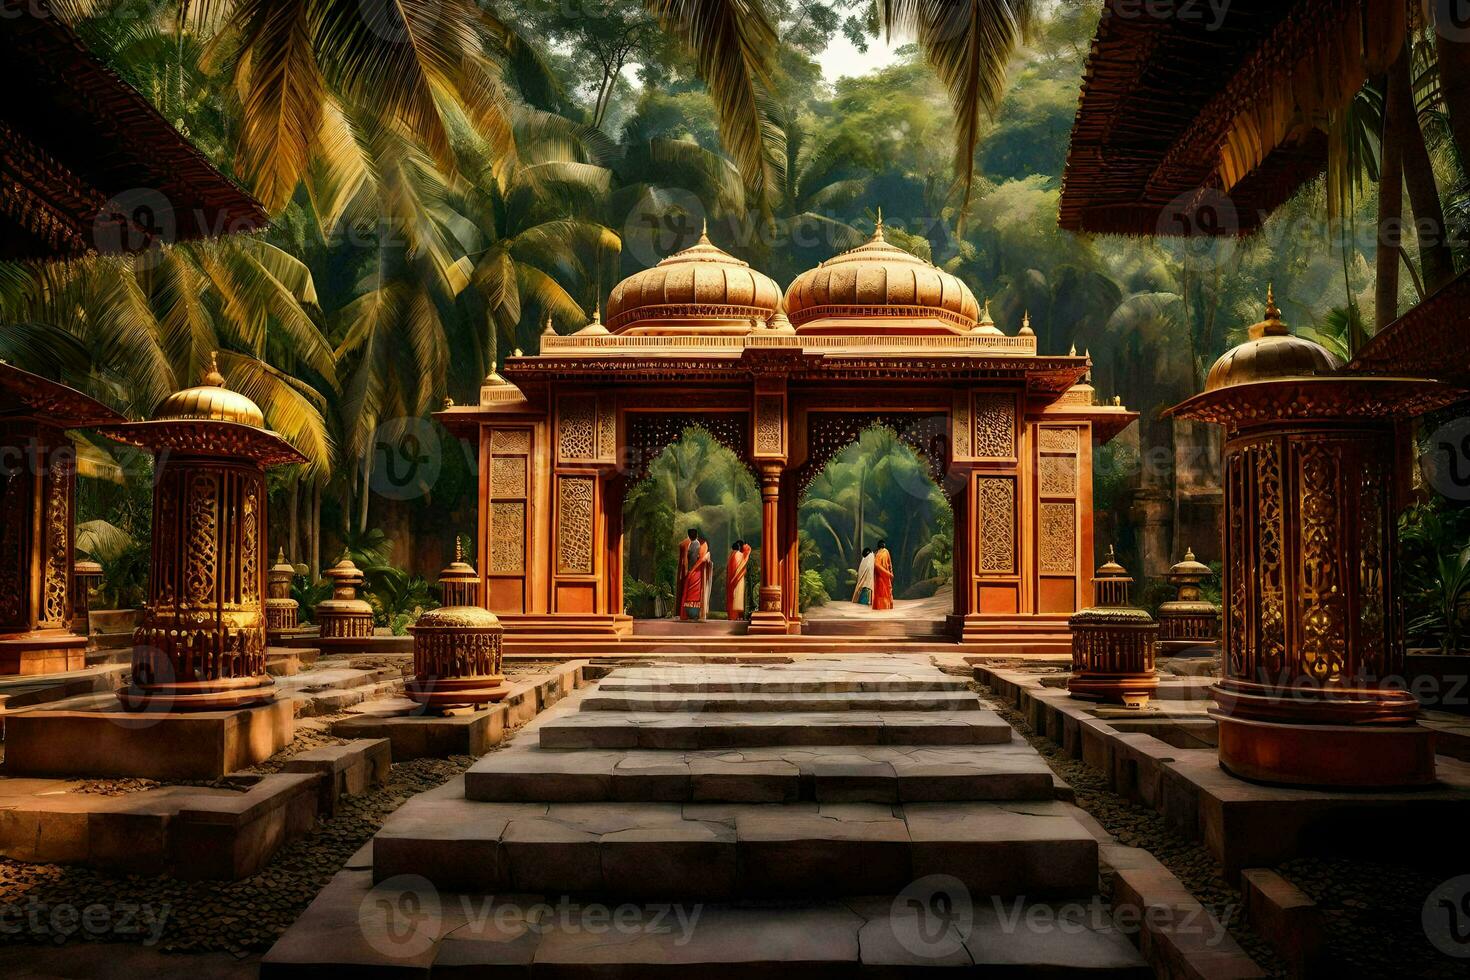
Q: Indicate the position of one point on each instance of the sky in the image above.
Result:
(841, 58)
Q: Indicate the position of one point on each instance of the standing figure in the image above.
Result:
(862, 592)
(694, 566)
(883, 577)
(735, 567)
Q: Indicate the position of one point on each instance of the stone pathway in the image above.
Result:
(821, 818)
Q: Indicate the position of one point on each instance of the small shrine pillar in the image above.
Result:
(1311, 692)
(1187, 623)
(86, 575)
(37, 521)
(457, 648)
(201, 644)
(1113, 643)
(344, 616)
(281, 611)
(770, 446)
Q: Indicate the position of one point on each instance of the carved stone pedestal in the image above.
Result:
(457, 648)
(1113, 644)
(1313, 660)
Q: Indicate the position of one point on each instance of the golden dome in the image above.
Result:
(210, 400)
(1189, 567)
(702, 289)
(1270, 353)
(875, 282)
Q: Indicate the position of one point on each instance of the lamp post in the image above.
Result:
(201, 644)
(1187, 622)
(1311, 646)
(457, 648)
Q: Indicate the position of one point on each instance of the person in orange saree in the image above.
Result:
(882, 577)
(735, 567)
(694, 569)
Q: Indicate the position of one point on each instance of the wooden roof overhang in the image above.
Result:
(87, 164)
(1203, 124)
(1429, 341)
(24, 395)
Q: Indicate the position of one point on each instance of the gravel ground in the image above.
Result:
(238, 917)
(1139, 826)
(1371, 911)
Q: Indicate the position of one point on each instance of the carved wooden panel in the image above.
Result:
(508, 476)
(607, 430)
(1058, 534)
(770, 418)
(508, 537)
(997, 498)
(964, 444)
(250, 548)
(510, 441)
(1058, 476)
(995, 425)
(56, 543)
(575, 500)
(1323, 593)
(1057, 440)
(577, 427)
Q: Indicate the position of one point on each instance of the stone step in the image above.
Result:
(721, 851)
(759, 680)
(695, 702)
(837, 774)
(355, 927)
(743, 729)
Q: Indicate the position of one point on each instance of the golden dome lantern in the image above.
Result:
(1113, 643)
(700, 290)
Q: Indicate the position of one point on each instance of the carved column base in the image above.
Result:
(1315, 706)
(1357, 756)
(768, 619)
(50, 651)
(216, 695)
(452, 692)
(1130, 689)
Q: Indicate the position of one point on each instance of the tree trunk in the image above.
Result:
(1435, 264)
(1453, 53)
(1390, 210)
(316, 531)
(293, 525)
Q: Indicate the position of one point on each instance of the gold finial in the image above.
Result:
(1118, 400)
(212, 377)
(597, 312)
(458, 548)
(1072, 351)
(985, 319)
(1026, 323)
(1272, 325)
(1111, 556)
(517, 353)
(448, 403)
(281, 556)
(878, 227)
(1188, 553)
(1087, 353)
(550, 330)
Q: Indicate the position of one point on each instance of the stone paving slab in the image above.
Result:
(352, 926)
(784, 701)
(851, 773)
(735, 729)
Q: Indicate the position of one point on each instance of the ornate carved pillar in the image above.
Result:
(201, 645)
(769, 447)
(1311, 646)
(769, 618)
(37, 491)
(457, 648)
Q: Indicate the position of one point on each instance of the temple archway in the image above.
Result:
(879, 486)
(694, 479)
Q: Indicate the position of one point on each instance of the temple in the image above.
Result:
(872, 336)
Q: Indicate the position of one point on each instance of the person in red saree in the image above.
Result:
(735, 567)
(882, 577)
(694, 569)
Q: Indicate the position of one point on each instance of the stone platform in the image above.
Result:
(94, 736)
(802, 838)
